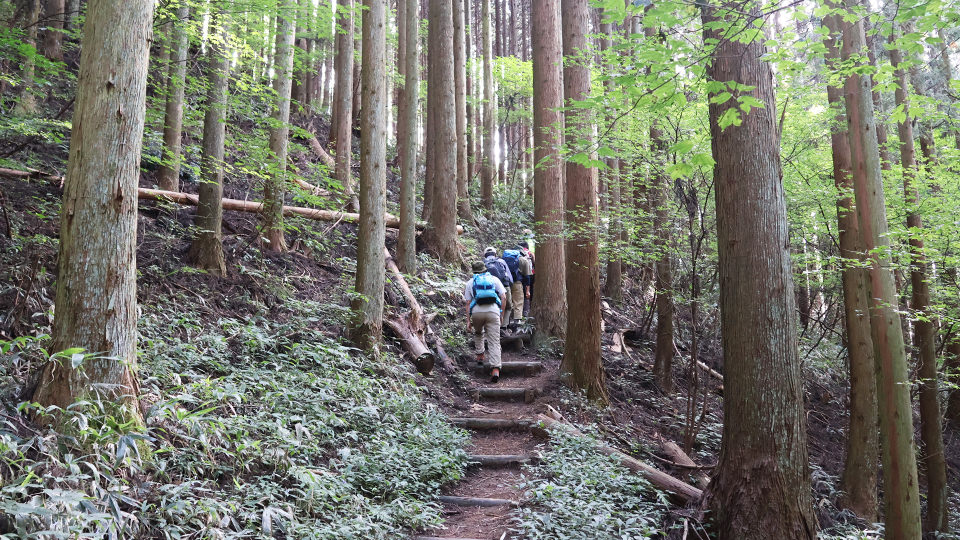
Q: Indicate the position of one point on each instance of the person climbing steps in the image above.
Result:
(485, 295)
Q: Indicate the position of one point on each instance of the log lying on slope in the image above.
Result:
(679, 490)
(190, 199)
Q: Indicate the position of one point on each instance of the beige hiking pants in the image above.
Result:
(507, 307)
(516, 292)
(486, 329)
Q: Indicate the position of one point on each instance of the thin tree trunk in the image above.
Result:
(663, 268)
(168, 175)
(550, 305)
(925, 334)
(27, 104)
(859, 479)
(488, 169)
(761, 486)
(342, 132)
(440, 237)
(613, 286)
(409, 100)
(206, 251)
(582, 363)
(901, 493)
(460, 91)
(52, 44)
(367, 305)
(96, 296)
(471, 113)
(71, 15)
(274, 187)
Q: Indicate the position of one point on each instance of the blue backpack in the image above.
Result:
(484, 290)
(512, 258)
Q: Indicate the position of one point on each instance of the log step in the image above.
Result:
(480, 424)
(476, 501)
(500, 460)
(527, 395)
(441, 538)
(514, 367)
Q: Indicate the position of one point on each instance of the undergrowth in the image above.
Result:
(255, 429)
(578, 493)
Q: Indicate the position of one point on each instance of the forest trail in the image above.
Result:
(479, 507)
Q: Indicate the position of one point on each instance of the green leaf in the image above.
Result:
(682, 147)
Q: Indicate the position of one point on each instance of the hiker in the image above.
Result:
(485, 295)
(513, 259)
(498, 268)
(529, 274)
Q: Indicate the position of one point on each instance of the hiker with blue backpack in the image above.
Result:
(498, 269)
(485, 295)
(516, 261)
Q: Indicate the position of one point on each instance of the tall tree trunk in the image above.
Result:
(430, 132)
(342, 133)
(27, 104)
(550, 305)
(96, 299)
(440, 237)
(860, 469)
(54, 19)
(925, 334)
(460, 90)
(614, 284)
(489, 168)
(367, 305)
(761, 487)
(471, 113)
(901, 493)
(206, 251)
(663, 267)
(71, 15)
(409, 101)
(274, 187)
(582, 364)
(168, 175)
(358, 48)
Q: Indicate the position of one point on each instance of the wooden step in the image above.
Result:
(499, 393)
(499, 460)
(480, 424)
(514, 367)
(476, 501)
(441, 538)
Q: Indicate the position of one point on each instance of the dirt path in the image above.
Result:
(479, 507)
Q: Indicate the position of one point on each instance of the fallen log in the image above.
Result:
(499, 460)
(678, 489)
(321, 152)
(190, 199)
(527, 395)
(679, 458)
(422, 357)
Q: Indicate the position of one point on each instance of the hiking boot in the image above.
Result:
(494, 375)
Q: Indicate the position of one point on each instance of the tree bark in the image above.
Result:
(613, 286)
(460, 90)
(96, 296)
(925, 334)
(27, 104)
(859, 479)
(409, 103)
(663, 267)
(550, 307)
(168, 175)
(367, 305)
(440, 237)
(901, 493)
(206, 251)
(488, 169)
(71, 15)
(274, 186)
(54, 17)
(761, 486)
(341, 132)
(582, 364)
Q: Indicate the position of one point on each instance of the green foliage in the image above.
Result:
(256, 429)
(579, 493)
